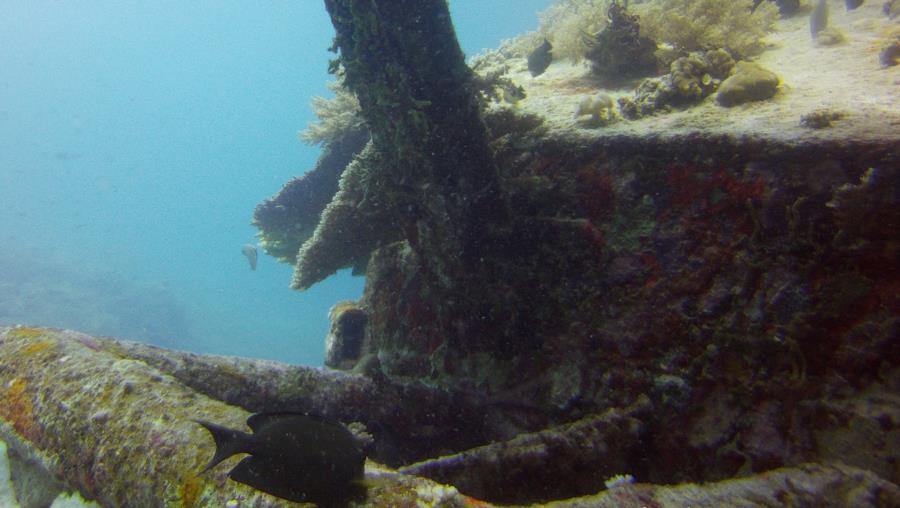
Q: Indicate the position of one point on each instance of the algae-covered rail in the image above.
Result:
(115, 429)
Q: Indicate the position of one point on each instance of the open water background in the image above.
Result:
(135, 140)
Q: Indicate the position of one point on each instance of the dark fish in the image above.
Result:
(890, 54)
(818, 20)
(540, 59)
(249, 250)
(294, 456)
(852, 4)
(785, 7)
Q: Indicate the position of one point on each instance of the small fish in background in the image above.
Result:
(818, 20)
(540, 59)
(852, 4)
(295, 456)
(249, 250)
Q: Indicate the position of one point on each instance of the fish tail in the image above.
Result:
(228, 442)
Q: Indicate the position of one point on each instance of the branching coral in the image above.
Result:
(708, 24)
(289, 218)
(336, 116)
(352, 224)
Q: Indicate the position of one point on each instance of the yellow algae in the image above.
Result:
(189, 492)
(36, 347)
(25, 332)
(16, 408)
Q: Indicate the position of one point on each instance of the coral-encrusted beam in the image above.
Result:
(122, 432)
(115, 429)
(403, 61)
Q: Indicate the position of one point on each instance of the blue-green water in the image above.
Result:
(135, 140)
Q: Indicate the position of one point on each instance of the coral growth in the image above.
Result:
(691, 79)
(493, 86)
(350, 225)
(596, 111)
(344, 343)
(598, 443)
(698, 74)
(567, 22)
(688, 25)
(750, 82)
(619, 51)
(289, 218)
(820, 119)
(708, 24)
(112, 426)
(336, 116)
(707, 272)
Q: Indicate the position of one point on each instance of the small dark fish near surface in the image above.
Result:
(249, 250)
(294, 456)
(852, 4)
(540, 59)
